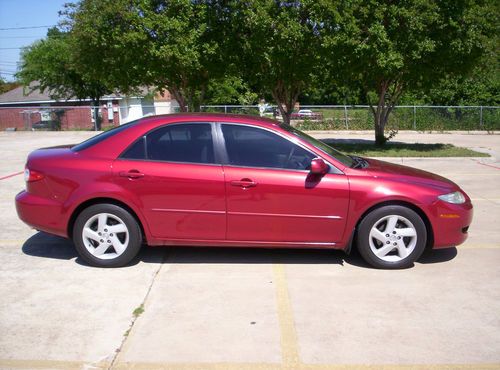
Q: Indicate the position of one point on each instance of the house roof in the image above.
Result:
(29, 95)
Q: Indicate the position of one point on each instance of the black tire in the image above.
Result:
(380, 217)
(115, 213)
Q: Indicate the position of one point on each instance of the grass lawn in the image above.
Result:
(404, 150)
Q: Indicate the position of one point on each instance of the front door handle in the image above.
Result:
(131, 174)
(244, 183)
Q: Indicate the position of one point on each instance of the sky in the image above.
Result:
(23, 13)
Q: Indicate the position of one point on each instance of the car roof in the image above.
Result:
(213, 117)
(143, 125)
(114, 144)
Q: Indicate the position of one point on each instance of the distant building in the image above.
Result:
(24, 109)
(135, 107)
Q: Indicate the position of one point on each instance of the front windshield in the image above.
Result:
(341, 157)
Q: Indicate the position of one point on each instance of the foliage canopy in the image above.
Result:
(366, 51)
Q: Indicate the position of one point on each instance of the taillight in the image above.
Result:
(31, 175)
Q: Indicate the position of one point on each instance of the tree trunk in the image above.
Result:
(285, 114)
(286, 118)
(286, 110)
(389, 92)
(188, 100)
(183, 107)
(380, 116)
(380, 138)
(196, 99)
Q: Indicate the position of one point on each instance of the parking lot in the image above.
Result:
(230, 308)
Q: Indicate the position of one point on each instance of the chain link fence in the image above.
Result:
(360, 117)
(313, 117)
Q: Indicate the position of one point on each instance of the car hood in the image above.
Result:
(397, 172)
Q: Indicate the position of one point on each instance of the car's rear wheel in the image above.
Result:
(391, 237)
(106, 235)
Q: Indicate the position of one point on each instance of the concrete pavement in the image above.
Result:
(249, 308)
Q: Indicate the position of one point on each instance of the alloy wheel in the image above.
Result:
(105, 236)
(393, 238)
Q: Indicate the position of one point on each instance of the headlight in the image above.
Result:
(455, 197)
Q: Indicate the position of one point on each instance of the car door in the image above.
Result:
(173, 174)
(272, 197)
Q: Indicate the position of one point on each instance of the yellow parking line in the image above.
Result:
(289, 349)
(289, 345)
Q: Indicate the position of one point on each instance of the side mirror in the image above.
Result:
(318, 166)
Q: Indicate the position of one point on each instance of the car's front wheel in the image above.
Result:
(392, 237)
(106, 235)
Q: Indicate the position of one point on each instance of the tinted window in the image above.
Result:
(137, 150)
(341, 157)
(103, 136)
(253, 147)
(175, 143)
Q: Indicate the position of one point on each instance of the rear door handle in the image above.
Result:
(244, 183)
(132, 174)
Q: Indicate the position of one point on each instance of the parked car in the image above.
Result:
(307, 114)
(229, 180)
(271, 112)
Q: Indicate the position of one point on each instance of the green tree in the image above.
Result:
(100, 40)
(480, 87)
(230, 90)
(387, 47)
(277, 48)
(49, 64)
(172, 45)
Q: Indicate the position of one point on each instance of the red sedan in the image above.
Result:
(227, 180)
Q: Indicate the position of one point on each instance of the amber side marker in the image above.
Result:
(449, 215)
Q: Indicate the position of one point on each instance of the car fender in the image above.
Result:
(364, 197)
(108, 190)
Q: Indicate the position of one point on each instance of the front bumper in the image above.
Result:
(451, 223)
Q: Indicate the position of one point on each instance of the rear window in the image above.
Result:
(103, 136)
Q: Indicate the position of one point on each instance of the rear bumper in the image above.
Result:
(451, 223)
(41, 213)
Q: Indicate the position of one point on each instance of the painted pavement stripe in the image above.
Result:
(11, 175)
